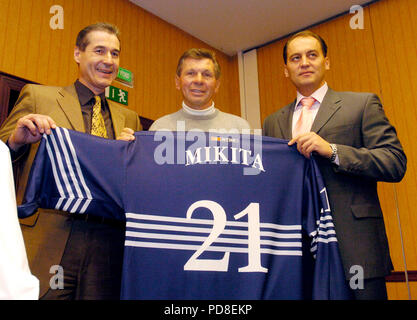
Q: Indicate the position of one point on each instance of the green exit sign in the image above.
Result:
(125, 77)
(117, 95)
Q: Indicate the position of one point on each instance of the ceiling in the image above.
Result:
(238, 25)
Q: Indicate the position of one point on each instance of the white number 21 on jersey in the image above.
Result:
(219, 223)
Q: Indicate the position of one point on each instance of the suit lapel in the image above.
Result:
(70, 105)
(285, 120)
(331, 103)
(118, 119)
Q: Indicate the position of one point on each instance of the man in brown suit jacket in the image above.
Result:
(90, 252)
(355, 146)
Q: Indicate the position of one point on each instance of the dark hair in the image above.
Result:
(199, 54)
(305, 33)
(82, 39)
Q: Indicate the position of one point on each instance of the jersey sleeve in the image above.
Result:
(328, 275)
(77, 173)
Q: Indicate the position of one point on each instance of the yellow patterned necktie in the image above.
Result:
(97, 124)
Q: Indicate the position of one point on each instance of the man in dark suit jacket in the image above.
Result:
(355, 146)
(89, 250)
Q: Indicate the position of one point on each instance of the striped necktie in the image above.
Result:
(97, 123)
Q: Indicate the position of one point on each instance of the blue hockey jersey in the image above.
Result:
(208, 216)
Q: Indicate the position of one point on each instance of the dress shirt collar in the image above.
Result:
(318, 94)
(85, 95)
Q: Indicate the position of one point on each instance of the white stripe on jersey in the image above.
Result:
(164, 236)
(158, 245)
(55, 173)
(80, 173)
(325, 228)
(58, 165)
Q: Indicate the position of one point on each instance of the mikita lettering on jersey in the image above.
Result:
(210, 148)
(200, 230)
